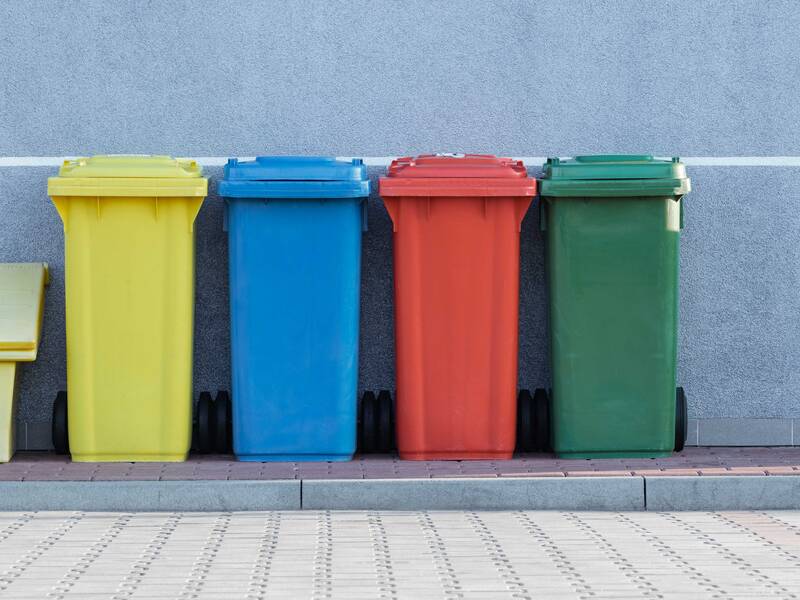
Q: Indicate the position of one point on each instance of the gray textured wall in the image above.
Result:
(384, 78)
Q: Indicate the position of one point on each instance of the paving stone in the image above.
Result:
(671, 473)
(722, 493)
(782, 471)
(620, 473)
(149, 495)
(607, 493)
(735, 470)
(534, 474)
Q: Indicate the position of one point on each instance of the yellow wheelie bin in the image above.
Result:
(21, 310)
(129, 269)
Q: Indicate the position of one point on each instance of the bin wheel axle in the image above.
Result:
(376, 425)
(60, 430)
(681, 419)
(223, 423)
(201, 434)
(212, 425)
(533, 421)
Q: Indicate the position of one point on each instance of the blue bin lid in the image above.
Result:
(295, 177)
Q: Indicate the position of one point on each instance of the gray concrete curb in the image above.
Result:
(531, 493)
(148, 496)
(537, 493)
(756, 492)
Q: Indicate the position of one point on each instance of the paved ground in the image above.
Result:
(42, 466)
(415, 555)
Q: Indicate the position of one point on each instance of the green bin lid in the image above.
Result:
(609, 175)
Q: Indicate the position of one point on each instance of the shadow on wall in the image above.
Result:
(376, 368)
(212, 340)
(377, 362)
(534, 340)
(32, 231)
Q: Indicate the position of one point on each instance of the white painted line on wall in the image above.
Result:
(384, 161)
(694, 161)
(57, 161)
(32, 161)
(741, 161)
(372, 161)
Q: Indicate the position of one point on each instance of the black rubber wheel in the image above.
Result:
(223, 424)
(681, 419)
(384, 420)
(367, 423)
(60, 431)
(203, 424)
(525, 441)
(541, 420)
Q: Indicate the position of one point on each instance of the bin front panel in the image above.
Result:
(295, 282)
(456, 262)
(129, 301)
(613, 276)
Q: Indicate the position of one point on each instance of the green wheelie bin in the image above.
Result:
(612, 228)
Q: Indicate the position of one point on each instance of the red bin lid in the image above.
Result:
(482, 175)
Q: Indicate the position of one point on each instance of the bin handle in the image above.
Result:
(521, 206)
(393, 208)
(62, 208)
(364, 215)
(542, 215)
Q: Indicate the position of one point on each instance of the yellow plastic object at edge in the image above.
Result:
(130, 305)
(21, 309)
(8, 408)
(21, 306)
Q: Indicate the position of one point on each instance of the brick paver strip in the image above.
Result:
(783, 470)
(570, 473)
(42, 466)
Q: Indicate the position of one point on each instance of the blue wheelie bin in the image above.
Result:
(294, 231)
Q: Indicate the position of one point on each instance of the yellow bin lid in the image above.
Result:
(161, 176)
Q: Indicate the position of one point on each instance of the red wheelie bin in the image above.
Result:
(457, 222)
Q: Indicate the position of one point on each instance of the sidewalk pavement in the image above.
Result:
(351, 555)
